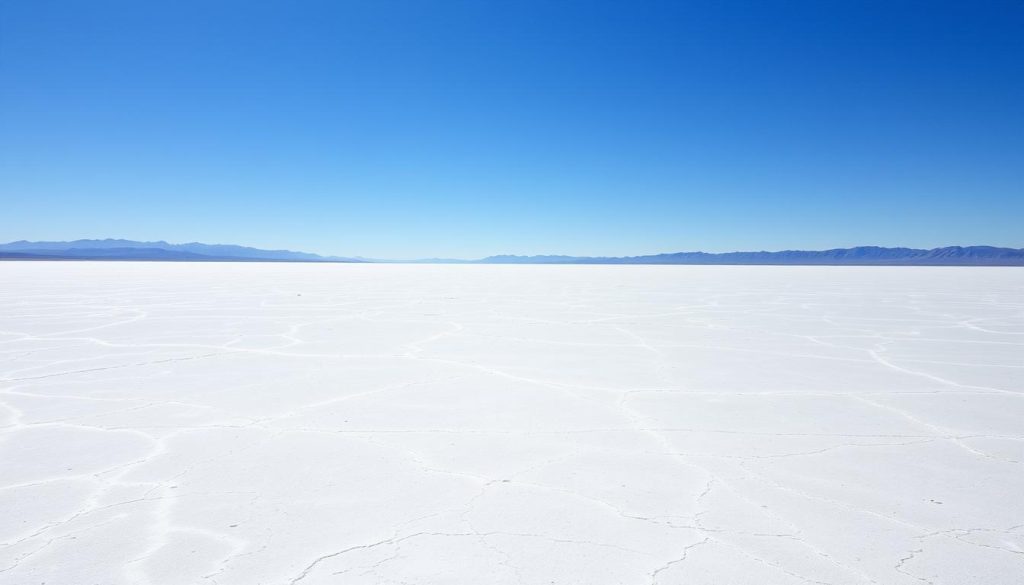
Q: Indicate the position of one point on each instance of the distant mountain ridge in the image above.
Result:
(858, 256)
(115, 249)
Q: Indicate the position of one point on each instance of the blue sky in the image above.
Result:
(462, 129)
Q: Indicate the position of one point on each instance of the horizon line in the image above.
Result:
(441, 259)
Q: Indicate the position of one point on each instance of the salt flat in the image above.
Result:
(398, 424)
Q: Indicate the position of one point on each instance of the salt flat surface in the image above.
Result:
(277, 424)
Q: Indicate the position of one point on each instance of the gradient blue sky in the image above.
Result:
(462, 129)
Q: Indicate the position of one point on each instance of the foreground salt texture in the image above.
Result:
(282, 423)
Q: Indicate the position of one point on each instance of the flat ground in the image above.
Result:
(244, 424)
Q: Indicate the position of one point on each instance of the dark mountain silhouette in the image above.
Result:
(859, 256)
(112, 249)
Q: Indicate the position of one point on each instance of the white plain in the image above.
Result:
(242, 424)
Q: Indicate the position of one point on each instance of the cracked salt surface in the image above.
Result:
(305, 424)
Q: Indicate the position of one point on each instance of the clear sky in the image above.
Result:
(406, 129)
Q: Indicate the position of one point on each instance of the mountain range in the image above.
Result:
(112, 249)
(859, 256)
